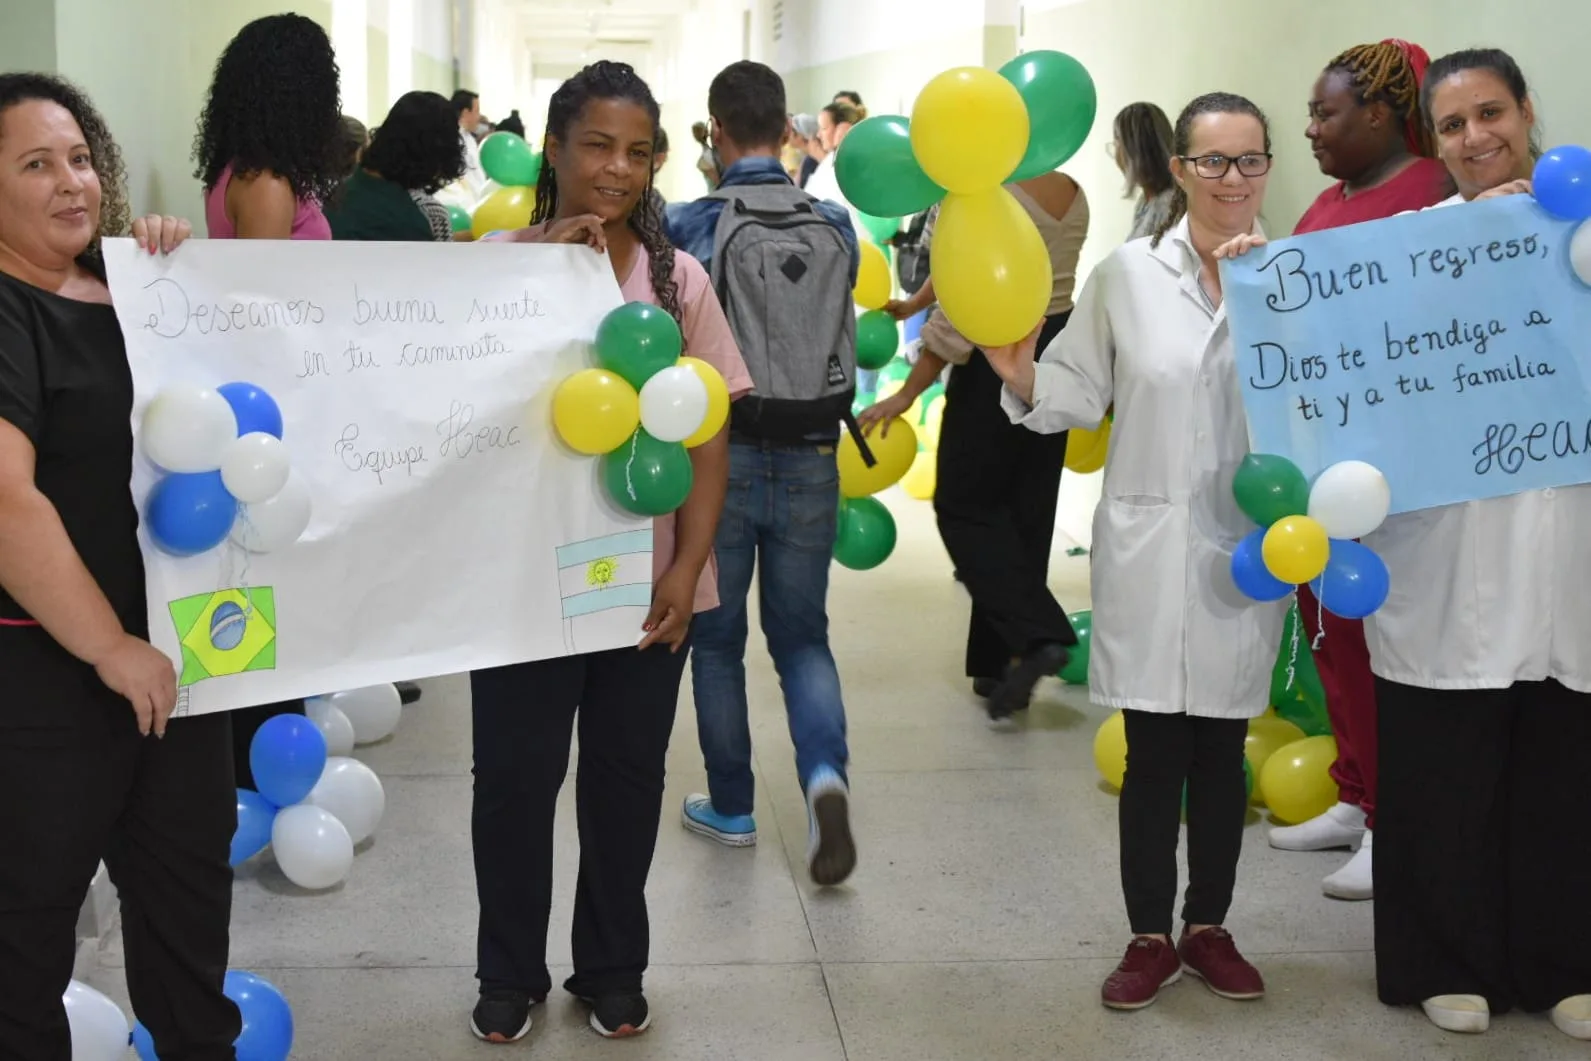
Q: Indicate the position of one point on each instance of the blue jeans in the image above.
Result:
(782, 508)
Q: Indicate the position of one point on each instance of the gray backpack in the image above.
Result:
(783, 276)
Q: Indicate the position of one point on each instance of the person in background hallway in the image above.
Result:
(1150, 335)
(512, 124)
(471, 186)
(997, 482)
(707, 160)
(1142, 151)
(806, 131)
(1482, 662)
(601, 129)
(352, 139)
(780, 518)
(854, 99)
(1366, 131)
(269, 154)
(92, 767)
(415, 152)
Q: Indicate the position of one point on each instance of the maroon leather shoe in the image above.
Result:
(1212, 956)
(1148, 965)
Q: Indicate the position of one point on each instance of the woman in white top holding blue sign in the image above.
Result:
(1176, 645)
(1482, 657)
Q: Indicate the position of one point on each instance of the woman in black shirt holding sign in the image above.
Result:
(89, 767)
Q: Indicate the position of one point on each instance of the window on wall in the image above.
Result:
(350, 21)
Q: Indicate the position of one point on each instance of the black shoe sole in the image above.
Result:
(408, 693)
(835, 857)
(1016, 691)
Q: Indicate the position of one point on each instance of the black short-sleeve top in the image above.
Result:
(66, 385)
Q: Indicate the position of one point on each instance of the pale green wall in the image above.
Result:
(886, 79)
(379, 99)
(433, 74)
(27, 35)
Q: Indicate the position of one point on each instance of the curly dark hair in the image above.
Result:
(607, 80)
(418, 146)
(114, 216)
(274, 105)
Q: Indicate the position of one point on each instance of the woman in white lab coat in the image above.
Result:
(1176, 645)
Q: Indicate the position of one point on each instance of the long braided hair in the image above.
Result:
(1391, 72)
(1182, 133)
(606, 80)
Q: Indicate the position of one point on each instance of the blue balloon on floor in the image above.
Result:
(256, 815)
(1355, 583)
(1251, 574)
(255, 410)
(287, 756)
(267, 1021)
(189, 514)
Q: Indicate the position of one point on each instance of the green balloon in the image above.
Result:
(1075, 672)
(880, 229)
(1300, 699)
(933, 391)
(1269, 488)
(1061, 104)
(458, 217)
(877, 339)
(647, 476)
(866, 533)
(879, 173)
(894, 372)
(637, 341)
(509, 161)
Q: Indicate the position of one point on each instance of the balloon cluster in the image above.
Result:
(866, 534)
(1306, 533)
(877, 334)
(227, 472)
(642, 409)
(1561, 183)
(510, 196)
(971, 132)
(313, 802)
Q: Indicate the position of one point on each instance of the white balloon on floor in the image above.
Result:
(373, 710)
(352, 792)
(99, 1028)
(311, 846)
(333, 725)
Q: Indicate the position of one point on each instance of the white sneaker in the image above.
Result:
(1572, 1016)
(1341, 826)
(1458, 1013)
(1352, 881)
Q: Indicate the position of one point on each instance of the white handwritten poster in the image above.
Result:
(449, 529)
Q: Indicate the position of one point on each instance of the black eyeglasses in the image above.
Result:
(1214, 167)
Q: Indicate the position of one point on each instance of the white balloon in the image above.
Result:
(1580, 252)
(352, 792)
(311, 846)
(373, 710)
(1350, 499)
(188, 429)
(255, 467)
(333, 725)
(276, 523)
(673, 404)
(99, 1028)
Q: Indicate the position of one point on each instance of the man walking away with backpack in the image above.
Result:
(783, 265)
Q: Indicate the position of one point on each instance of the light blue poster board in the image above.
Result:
(1449, 348)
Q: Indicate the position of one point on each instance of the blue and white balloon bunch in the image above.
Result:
(227, 471)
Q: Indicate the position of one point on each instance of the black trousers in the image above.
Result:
(1163, 753)
(78, 785)
(246, 722)
(524, 716)
(995, 501)
(1483, 852)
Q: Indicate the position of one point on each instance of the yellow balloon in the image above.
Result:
(1296, 780)
(991, 271)
(893, 453)
(717, 401)
(919, 483)
(1295, 549)
(1267, 735)
(504, 210)
(872, 278)
(1110, 750)
(969, 129)
(932, 420)
(1086, 450)
(595, 411)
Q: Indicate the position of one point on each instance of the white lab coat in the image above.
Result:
(1172, 633)
(1487, 593)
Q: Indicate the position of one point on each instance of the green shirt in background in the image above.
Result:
(373, 208)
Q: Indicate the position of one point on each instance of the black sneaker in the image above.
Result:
(984, 688)
(501, 1017)
(619, 1016)
(408, 692)
(1017, 689)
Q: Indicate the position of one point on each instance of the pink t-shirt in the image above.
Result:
(308, 220)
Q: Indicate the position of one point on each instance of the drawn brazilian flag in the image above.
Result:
(230, 631)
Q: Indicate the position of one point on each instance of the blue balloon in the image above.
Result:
(189, 514)
(1562, 182)
(287, 757)
(267, 1021)
(255, 410)
(1251, 574)
(256, 815)
(1355, 582)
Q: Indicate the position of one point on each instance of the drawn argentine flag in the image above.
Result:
(601, 576)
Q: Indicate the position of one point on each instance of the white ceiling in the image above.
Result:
(568, 33)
